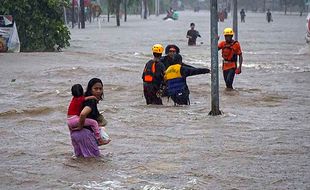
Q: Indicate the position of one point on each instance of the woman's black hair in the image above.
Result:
(91, 83)
(77, 90)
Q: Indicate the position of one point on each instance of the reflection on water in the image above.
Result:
(261, 140)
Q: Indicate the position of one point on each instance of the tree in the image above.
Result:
(145, 3)
(125, 10)
(114, 7)
(39, 23)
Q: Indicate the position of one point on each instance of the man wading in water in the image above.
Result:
(230, 51)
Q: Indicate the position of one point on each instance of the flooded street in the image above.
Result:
(262, 141)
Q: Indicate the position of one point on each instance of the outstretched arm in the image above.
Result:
(191, 71)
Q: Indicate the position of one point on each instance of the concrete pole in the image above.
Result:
(65, 15)
(157, 7)
(72, 14)
(215, 108)
(235, 19)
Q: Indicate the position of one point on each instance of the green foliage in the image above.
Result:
(113, 5)
(39, 23)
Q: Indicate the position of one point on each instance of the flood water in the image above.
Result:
(262, 141)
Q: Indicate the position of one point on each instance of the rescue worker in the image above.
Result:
(153, 76)
(230, 51)
(175, 76)
(170, 51)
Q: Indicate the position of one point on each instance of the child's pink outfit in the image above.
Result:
(74, 110)
(73, 122)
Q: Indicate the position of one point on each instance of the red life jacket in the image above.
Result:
(228, 53)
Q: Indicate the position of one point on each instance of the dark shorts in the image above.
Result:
(151, 94)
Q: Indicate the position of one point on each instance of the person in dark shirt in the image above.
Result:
(242, 15)
(170, 50)
(192, 35)
(176, 75)
(269, 16)
(153, 76)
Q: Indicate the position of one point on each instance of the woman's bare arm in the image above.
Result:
(86, 110)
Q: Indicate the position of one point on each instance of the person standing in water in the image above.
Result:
(230, 51)
(170, 51)
(192, 35)
(74, 110)
(153, 76)
(83, 137)
(269, 16)
(176, 75)
(242, 15)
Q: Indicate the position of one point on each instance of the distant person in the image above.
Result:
(83, 137)
(242, 15)
(221, 16)
(176, 75)
(225, 13)
(269, 16)
(153, 76)
(192, 35)
(74, 110)
(170, 13)
(197, 8)
(230, 51)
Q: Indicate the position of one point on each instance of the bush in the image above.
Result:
(39, 23)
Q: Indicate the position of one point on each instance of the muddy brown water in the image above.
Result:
(262, 141)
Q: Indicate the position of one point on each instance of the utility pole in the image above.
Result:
(157, 7)
(65, 15)
(125, 9)
(235, 19)
(215, 108)
(72, 14)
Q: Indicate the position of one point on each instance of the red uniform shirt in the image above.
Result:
(75, 106)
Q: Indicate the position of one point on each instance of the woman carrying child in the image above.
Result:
(84, 128)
